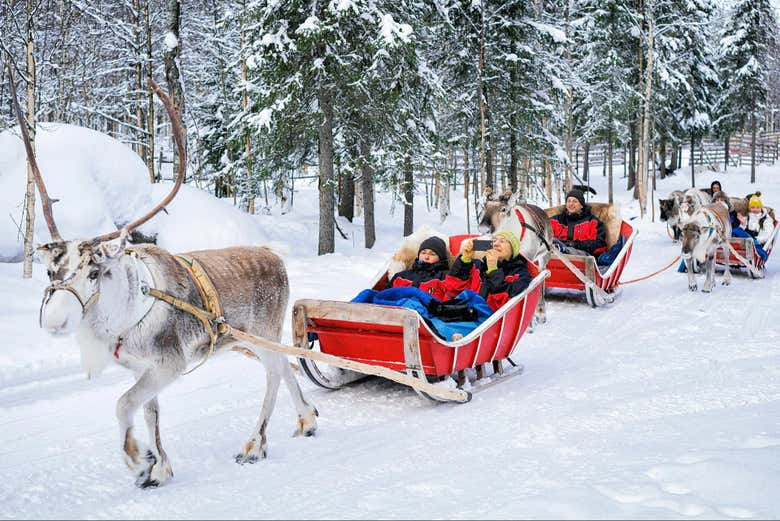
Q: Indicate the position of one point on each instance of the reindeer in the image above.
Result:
(692, 200)
(670, 212)
(113, 299)
(529, 222)
(707, 229)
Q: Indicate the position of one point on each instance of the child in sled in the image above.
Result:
(428, 271)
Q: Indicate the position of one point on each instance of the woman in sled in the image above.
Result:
(501, 275)
(757, 224)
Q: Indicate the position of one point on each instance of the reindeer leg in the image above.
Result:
(146, 388)
(160, 470)
(307, 413)
(256, 447)
(709, 281)
(692, 286)
(727, 269)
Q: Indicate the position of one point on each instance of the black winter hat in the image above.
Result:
(578, 195)
(435, 244)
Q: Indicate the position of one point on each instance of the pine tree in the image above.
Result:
(749, 35)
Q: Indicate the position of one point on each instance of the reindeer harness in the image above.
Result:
(525, 226)
(211, 317)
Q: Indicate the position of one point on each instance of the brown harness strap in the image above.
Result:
(211, 317)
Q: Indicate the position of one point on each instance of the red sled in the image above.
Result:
(746, 255)
(399, 339)
(599, 288)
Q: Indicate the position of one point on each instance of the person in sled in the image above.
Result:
(501, 275)
(428, 271)
(576, 231)
(715, 187)
(757, 224)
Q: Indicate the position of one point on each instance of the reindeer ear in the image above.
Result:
(512, 201)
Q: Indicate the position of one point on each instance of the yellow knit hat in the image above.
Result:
(511, 238)
(755, 201)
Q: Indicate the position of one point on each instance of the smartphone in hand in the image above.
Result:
(482, 244)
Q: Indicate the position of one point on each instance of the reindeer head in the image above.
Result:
(667, 207)
(691, 233)
(697, 235)
(494, 210)
(77, 269)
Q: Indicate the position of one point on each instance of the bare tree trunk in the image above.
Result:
(673, 158)
(693, 170)
(150, 126)
(481, 97)
(347, 196)
(586, 161)
(548, 185)
(662, 162)
(172, 72)
(513, 160)
(444, 196)
(408, 193)
(368, 195)
(631, 183)
(726, 154)
(466, 187)
(140, 118)
(29, 198)
(247, 134)
(753, 144)
(326, 242)
(644, 141)
(609, 170)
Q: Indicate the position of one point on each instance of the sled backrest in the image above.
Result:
(607, 213)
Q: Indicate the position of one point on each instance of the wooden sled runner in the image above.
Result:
(577, 272)
(398, 339)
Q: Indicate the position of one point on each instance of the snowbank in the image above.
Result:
(98, 182)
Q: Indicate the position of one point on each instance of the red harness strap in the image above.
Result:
(117, 347)
(519, 215)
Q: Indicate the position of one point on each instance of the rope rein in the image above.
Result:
(631, 281)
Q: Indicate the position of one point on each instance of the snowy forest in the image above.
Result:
(401, 95)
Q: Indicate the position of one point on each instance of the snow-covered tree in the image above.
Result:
(745, 58)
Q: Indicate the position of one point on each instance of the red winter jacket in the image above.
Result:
(582, 231)
(509, 279)
(427, 277)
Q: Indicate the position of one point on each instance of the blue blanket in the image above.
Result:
(418, 300)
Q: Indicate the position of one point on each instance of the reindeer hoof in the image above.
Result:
(155, 474)
(308, 433)
(693, 287)
(143, 482)
(243, 459)
(307, 426)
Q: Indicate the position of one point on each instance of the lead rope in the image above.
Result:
(631, 281)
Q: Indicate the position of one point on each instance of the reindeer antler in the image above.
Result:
(47, 214)
(179, 139)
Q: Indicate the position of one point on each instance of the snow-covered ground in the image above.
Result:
(665, 404)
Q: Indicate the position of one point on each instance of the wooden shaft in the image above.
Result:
(454, 395)
(743, 260)
(577, 273)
